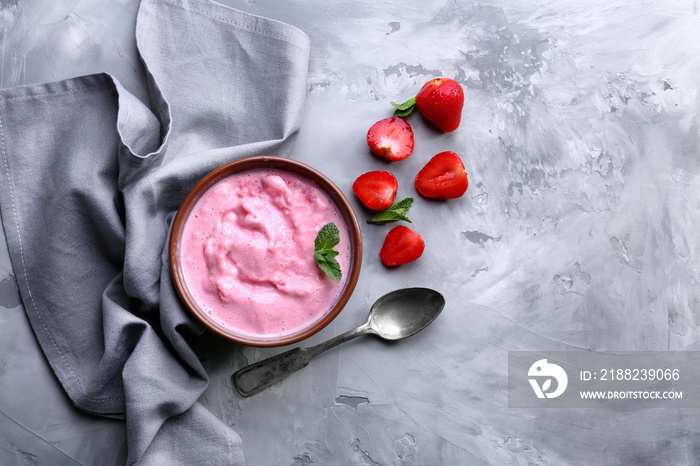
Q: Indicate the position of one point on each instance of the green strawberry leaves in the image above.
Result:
(327, 238)
(404, 109)
(394, 213)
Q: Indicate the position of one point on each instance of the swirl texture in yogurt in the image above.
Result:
(248, 252)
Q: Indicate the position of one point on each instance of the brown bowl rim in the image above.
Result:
(250, 163)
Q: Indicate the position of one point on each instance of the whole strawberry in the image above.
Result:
(440, 101)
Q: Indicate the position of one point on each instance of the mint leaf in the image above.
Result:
(394, 213)
(327, 238)
(325, 258)
(405, 108)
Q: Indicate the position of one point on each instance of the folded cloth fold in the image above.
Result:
(91, 178)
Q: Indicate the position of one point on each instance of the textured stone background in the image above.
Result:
(578, 232)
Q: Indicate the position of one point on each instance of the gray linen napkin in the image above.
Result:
(90, 180)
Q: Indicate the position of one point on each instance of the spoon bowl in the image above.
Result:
(403, 313)
(396, 315)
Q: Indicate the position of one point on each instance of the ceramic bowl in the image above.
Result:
(265, 162)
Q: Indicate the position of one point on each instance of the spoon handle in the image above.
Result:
(258, 376)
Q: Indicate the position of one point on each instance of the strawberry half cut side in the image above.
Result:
(401, 246)
(391, 138)
(376, 189)
(442, 177)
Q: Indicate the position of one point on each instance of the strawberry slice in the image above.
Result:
(401, 246)
(391, 138)
(443, 177)
(376, 189)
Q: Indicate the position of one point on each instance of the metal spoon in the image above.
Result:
(394, 316)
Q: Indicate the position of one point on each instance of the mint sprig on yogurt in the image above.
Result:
(327, 238)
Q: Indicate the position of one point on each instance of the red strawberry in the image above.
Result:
(391, 138)
(443, 177)
(439, 100)
(401, 246)
(376, 189)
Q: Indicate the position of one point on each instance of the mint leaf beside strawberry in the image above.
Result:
(405, 108)
(327, 238)
(394, 213)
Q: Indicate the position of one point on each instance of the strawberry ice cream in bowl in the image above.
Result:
(265, 251)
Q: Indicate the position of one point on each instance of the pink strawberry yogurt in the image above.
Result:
(247, 252)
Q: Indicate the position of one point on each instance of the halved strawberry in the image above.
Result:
(440, 100)
(443, 177)
(401, 246)
(391, 138)
(376, 189)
